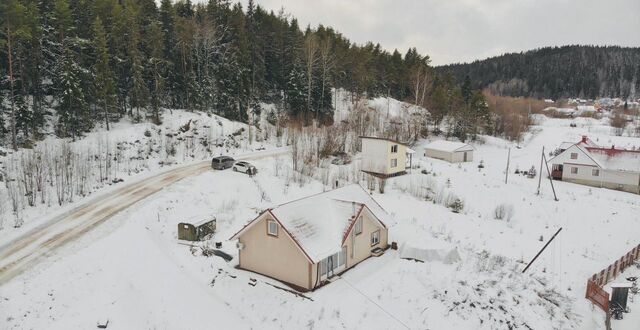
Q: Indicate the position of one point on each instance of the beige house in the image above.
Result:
(385, 157)
(307, 241)
(450, 151)
(586, 164)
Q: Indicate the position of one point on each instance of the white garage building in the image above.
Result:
(453, 152)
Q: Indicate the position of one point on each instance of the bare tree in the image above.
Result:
(327, 63)
(311, 63)
(2, 209)
(420, 82)
(618, 123)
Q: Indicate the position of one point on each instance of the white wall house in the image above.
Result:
(599, 167)
(385, 157)
(450, 151)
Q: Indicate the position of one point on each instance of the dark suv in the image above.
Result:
(222, 162)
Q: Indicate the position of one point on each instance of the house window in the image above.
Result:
(574, 170)
(394, 163)
(595, 172)
(394, 149)
(375, 237)
(272, 228)
(574, 155)
(358, 229)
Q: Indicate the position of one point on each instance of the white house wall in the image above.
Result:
(377, 156)
(374, 155)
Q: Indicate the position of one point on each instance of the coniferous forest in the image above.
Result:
(557, 72)
(74, 64)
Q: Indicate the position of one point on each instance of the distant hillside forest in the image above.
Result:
(556, 72)
(96, 61)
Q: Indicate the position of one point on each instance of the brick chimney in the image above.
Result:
(584, 139)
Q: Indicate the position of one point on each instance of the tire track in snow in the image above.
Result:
(24, 252)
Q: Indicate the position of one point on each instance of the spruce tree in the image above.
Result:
(104, 86)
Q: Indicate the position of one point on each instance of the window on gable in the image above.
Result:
(272, 228)
(394, 149)
(574, 170)
(595, 172)
(358, 228)
(375, 237)
(394, 162)
(574, 155)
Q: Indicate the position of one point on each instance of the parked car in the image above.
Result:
(245, 167)
(222, 162)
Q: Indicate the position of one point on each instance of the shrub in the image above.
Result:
(503, 212)
(457, 205)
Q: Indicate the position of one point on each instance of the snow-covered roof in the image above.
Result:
(616, 159)
(449, 146)
(566, 145)
(560, 110)
(318, 223)
(383, 139)
(586, 108)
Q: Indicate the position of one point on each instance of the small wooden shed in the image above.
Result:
(450, 151)
(196, 231)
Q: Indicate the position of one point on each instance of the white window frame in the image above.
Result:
(394, 149)
(595, 172)
(574, 170)
(375, 238)
(394, 163)
(275, 224)
(574, 155)
(358, 226)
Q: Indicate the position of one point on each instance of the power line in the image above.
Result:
(373, 302)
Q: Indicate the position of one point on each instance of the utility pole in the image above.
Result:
(540, 172)
(540, 252)
(506, 173)
(555, 197)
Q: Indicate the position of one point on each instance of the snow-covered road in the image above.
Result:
(21, 253)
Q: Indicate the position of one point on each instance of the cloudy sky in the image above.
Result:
(465, 30)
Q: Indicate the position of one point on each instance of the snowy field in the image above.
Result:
(132, 271)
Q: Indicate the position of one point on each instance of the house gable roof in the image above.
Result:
(319, 223)
(449, 146)
(384, 139)
(565, 156)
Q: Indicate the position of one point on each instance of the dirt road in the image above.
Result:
(23, 252)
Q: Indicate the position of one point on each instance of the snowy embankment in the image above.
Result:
(57, 173)
(146, 279)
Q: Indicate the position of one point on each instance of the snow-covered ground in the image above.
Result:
(132, 271)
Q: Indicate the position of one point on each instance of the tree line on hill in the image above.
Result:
(556, 72)
(71, 65)
(97, 61)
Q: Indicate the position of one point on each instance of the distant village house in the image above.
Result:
(586, 163)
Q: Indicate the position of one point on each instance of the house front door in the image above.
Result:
(556, 171)
(465, 156)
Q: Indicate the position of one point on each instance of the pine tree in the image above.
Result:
(72, 108)
(156, 68)
(104, 86)
(14, 30)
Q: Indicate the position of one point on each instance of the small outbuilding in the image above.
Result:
(382, 157)
(450, 151)
(196, 231)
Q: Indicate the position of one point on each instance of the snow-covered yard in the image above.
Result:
(132, 271)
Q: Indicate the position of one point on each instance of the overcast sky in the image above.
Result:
(465, 30)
